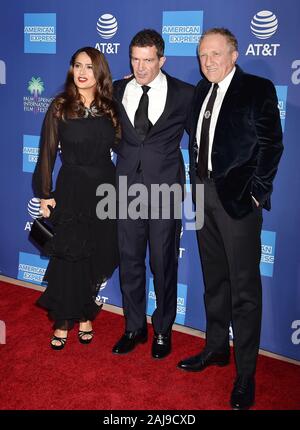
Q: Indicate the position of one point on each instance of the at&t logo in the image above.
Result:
(100, 299)
(264, 25)
(33, 208)
(107, 27)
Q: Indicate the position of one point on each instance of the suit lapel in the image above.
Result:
(231, 97)
(170, 103)
(119, 93)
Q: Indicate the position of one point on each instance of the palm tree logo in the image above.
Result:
(35, 87)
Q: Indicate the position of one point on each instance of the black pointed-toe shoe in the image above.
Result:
(204, 359)
(243, 393)
(161, 345)
(130, 340)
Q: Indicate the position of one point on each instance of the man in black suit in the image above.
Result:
(236, 126)
(154, 110)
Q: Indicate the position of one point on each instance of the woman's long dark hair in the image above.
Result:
(69, 104)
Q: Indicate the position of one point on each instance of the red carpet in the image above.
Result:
(90, 377)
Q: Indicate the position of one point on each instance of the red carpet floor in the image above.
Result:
(32, 376)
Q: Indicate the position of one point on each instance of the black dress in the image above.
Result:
(84, 251)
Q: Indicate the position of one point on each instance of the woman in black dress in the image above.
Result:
(82, 124)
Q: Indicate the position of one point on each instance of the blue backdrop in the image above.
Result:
(36, 43)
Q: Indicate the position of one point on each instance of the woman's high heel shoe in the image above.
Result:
(62, 341)
(82, 333)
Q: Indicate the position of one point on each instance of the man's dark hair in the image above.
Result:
(231, 39)
(148, 37)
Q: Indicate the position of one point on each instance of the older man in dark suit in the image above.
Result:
(154, 110)
(235, 148)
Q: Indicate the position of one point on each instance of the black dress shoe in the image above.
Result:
(203, 360)
(130, 340)
(243, 393)
(161, 345)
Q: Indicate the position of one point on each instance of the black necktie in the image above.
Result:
(204, 139)
(141, 120)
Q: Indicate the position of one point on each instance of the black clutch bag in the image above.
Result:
(41, 232)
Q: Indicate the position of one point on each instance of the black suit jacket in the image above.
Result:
(159, 155)
(247, 143)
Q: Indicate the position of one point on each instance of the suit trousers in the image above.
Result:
(230, 251)
(163, 236)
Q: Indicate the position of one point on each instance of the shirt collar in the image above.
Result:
(157, 82)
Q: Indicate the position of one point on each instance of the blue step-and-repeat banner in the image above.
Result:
(36, 43)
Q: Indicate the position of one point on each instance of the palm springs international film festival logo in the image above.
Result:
(35, 103)
(263, 26)
(40, 33)
(181, 31)
(107, 27)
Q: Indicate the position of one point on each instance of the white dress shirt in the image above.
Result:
(157, 97)
(223, 87)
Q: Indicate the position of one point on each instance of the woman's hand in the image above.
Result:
(44, 210)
